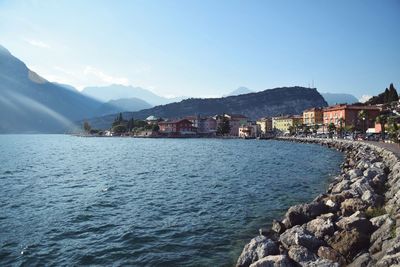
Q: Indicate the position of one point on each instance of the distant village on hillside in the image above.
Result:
(376, 119)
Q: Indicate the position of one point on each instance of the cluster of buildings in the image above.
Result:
(341, 115)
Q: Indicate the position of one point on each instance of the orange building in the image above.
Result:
(349, 114)
(313, 116)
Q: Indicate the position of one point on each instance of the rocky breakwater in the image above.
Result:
(355, 223)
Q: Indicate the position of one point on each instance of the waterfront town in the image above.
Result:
(350, 121)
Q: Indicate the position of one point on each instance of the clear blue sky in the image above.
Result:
(208, 48)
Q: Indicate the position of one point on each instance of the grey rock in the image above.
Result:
(351, 205)
(301, 254)
(274, 261)
(361, 261)
(372, 172)
(341, 186)
(257, 248)
(389, 260)
(379, 220)
(278, 227)
(331, 254)
(297, 235)
(355, 222)
(354, 173)
(349, 243)
(320, 263)
(382, 234)
(302, 213)
(321, 226)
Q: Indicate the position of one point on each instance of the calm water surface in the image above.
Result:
(147, 202)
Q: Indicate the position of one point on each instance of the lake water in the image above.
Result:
(147, 202)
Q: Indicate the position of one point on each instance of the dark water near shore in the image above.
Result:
(147, 202)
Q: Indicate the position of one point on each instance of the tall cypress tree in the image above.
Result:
(393, 96)
(386, 96)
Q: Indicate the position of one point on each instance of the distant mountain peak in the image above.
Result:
(34, 77)
(4, 50)
(339, 98)
(241, 90)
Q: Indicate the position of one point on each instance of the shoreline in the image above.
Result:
(355, 222)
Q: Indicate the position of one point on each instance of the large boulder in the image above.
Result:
(379, 220)
(349, 243)
(351, 205)
(301, 254)
(331, 254)
(355, 221)
(278, 227)
(298, 235)
(302, 213)
(354, 173)
(274, 261)
(341, 186)
(383, 233)
(321, 226)
(256, 249)
(361, 261)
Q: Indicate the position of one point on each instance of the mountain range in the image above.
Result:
(31, 104)
(339, 98)
(117, 91)
(271, 102)
(331, 98)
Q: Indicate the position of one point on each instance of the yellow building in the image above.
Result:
(313, 116)
(283, 123)
(265, 125)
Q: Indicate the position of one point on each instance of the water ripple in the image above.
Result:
(147, 202)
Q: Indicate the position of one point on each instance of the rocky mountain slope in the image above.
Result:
(272, 102)
(29, 103)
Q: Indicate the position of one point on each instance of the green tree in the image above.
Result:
(393, 129)
(307, 130)
(292, 130)
(362, 116)
(341, 122)
(331, 129)
(224, 127)
(87, 127)
(392, 95)
(382, 120)
(130, 125)
(119, 129)
(156, 128)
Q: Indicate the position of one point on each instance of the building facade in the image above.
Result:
(204, 125)
(313, 116)
(235, 121)
(283, 123)
(348, 115)
(181, 127)
(249, 131)
(265, 125)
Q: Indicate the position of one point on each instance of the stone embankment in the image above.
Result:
(355, 223)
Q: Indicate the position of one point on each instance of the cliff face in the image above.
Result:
(272, 102)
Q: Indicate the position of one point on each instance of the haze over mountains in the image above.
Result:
(31, 104)
(117, 91)
(339, 98)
